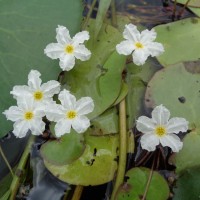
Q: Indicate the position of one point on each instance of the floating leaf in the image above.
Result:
(106, 123)
(136, 183)
(176, 36)
(26, 27)
(63, 150)
(191, 3)
(189, 157)
(188, 185)
(100, 77)
(179, 90)
(196, 11)
(137, 79)
(96, 166)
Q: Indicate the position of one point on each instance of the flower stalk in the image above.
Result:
(20, 169)
(122, 148)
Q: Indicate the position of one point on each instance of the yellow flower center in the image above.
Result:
(69, 49)
(160, 131)
(28, 115)
(71, 114)
(139, 45)
(38, 95)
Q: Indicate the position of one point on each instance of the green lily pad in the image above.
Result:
(196, 11)
(96, 166)
(176, 37)
(137, 79)
(135, 186)
(188, 185)
(192, 3)
(26, 27)
(106, 123)
(63, 150)
(189, 157)
(100, 77)
(178, 88)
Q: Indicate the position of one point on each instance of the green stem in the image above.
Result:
(78, 192)
(20, 168)
(184, 7)
(113, 13)
(89, 14)
(122, 148)
(149, 179)
(6, 161)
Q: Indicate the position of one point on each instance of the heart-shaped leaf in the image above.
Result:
(137, 179)
(96, 166)
(178, 88)
(63, 150)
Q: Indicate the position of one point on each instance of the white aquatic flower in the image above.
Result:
(68, 49)
(70, 113)
(27, 116)
(161, 129)
(41, 93)
(141, 45)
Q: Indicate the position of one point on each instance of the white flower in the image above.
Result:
(160, 129)
(68, 49)
(70, 113)
(27, 116)
(41, 93)
(141, 45)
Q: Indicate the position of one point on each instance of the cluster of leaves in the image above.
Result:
(77, 159)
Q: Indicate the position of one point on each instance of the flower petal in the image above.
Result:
(149, 142)
(54, 112)
(145, 125)
(155, 48)
(67, 62)
(82, 53)
(54, 50)
(37, 126)
(140, 56)
(177, 124)
(67, 100)
(50, 88)
(80, 37)
(13, 113)
(63, 126)
(131, 33)
(19, 91)
(172, 141)
(80, 124)
(62, 35)
(34, 80)
(148, 36)
(125, 47)
(160, 115)
(20, 128)
(84, 105)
